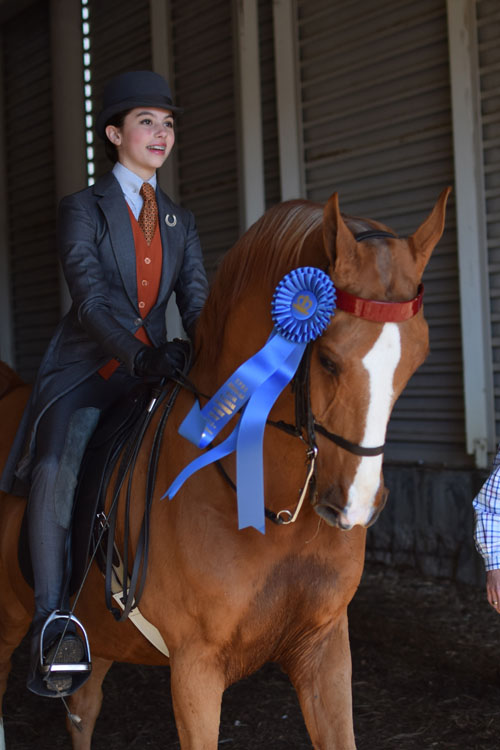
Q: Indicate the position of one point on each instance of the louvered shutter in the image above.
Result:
(206, 146)
(488, 21)
(376, 119)
(120, 40)
(29, 160)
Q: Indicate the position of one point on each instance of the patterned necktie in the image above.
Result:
(149, 212)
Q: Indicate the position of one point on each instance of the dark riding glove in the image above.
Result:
(161, 362)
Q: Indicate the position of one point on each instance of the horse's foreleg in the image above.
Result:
(197, 684)
(323, 684)
(86, 703)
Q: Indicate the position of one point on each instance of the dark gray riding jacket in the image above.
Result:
(97, 252)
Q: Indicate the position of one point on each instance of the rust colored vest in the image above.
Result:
(148, 263)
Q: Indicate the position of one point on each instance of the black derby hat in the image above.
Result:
(138, 88)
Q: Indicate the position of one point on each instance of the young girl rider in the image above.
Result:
(124, 247)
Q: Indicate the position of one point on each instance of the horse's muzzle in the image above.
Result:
(336, 516)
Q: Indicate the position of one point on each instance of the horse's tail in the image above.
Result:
(9, 380)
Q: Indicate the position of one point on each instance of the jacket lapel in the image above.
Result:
(172, 237)
(114, 207)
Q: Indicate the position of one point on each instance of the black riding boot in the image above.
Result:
(47, 546)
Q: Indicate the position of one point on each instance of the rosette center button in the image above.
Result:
(304, 305)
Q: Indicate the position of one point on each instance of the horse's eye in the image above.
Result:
(328, 364)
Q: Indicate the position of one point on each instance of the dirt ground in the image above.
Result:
(425, 675)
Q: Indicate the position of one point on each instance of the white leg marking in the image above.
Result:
(380, 362)
(2, 736)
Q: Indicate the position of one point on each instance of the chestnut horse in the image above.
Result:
(227, 601)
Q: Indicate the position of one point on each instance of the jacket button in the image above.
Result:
(137, 321)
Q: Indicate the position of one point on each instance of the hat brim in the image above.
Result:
(159, 102)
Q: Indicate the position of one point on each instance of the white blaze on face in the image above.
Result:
(380, 362)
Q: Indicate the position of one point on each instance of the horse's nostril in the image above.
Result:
(327, 514)
(333, 516)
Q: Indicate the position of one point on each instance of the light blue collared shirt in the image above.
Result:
(130, 184)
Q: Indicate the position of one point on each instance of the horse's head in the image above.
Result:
(360, 366)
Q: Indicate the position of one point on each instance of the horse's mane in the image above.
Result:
(285, 237)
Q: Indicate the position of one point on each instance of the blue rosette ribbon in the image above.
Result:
(301, 308)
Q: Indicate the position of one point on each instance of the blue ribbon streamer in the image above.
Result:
(202, 426)
(247, 437)
(303, 304)
(249, 448)
(215, 454)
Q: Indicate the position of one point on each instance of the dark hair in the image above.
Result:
(110, 148)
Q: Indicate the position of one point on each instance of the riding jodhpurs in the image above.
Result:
(47, 535)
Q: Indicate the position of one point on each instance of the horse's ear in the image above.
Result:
(425, 239)
(336, 235)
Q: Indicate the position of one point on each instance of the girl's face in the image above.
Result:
(145, 139)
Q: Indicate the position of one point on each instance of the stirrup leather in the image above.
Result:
(53, 667)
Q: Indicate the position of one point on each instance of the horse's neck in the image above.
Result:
(246, 330)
